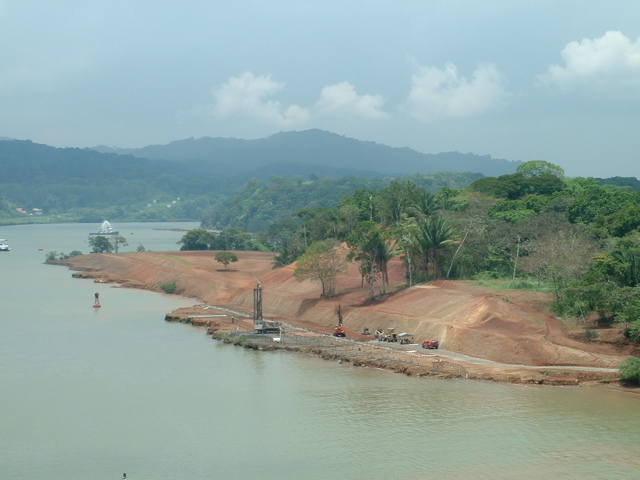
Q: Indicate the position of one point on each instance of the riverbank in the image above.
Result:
(484, 334)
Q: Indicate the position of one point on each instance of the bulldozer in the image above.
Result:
(389, 336)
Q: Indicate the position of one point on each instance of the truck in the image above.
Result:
(431, 344)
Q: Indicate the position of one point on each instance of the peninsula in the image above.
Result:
(484, 332)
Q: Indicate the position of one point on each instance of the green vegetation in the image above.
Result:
(322, 263)
(630, 371)
(234, 238)
(226, 258)
(103, 244)
(169, 287)
(258, 204)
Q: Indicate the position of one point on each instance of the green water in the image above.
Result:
(91, 393)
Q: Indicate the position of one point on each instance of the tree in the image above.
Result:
(424, 205)
(226, 258)
(117, 241)
(535, 168)
(396, 198)
(433, 235)
(365, 243)
(196, 239)
(406, 244)
(233, 238)
(387, 249)
(322, 262)
(100, 244)
(558, 251)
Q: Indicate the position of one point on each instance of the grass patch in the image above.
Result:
(518, 284)
(186, 262)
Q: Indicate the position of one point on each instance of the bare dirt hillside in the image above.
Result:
(510, 327)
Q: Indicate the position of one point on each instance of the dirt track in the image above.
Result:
(509, 333)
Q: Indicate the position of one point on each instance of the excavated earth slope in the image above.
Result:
(509, 327)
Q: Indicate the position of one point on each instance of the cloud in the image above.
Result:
(442, 93)
(246, 95)
(343, 98)
(612, 57)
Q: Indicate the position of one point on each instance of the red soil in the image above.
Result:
(512, 327)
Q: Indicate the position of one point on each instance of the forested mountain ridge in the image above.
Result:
(94, 185)
(315, 151)
(77, 184)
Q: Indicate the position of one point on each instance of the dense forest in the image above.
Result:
(578, 238)
(259, 204)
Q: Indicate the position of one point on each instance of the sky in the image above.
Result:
(515, 79)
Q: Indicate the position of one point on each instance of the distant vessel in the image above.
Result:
(4, 246)
(105, 229)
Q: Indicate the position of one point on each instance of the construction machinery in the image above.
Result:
(260, 324)
(431, 344)
(389, 336)
(405, 338)
(339, 331)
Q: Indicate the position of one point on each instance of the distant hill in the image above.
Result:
(61, 179)
(312, 151)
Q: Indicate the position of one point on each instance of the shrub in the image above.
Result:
(51, 256)
(633, 331)
(169, 287)
(520, 285)
(590, 334)
(630, 371)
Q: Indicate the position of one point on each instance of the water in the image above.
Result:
(91, 393)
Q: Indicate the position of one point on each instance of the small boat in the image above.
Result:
(4, 246)
(105, 229)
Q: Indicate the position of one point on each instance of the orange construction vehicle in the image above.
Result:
(339, 331)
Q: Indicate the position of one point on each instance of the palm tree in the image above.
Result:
(387, 248)
(365, 248)
(424, 205)
(626, 254)
(432, 236)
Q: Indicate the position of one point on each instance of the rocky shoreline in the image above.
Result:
(406, 359)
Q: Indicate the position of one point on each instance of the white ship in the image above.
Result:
(4, 246)
(105, 229)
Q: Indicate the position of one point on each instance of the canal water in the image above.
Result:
(93, 393)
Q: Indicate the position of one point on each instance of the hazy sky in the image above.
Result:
(520, 80)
